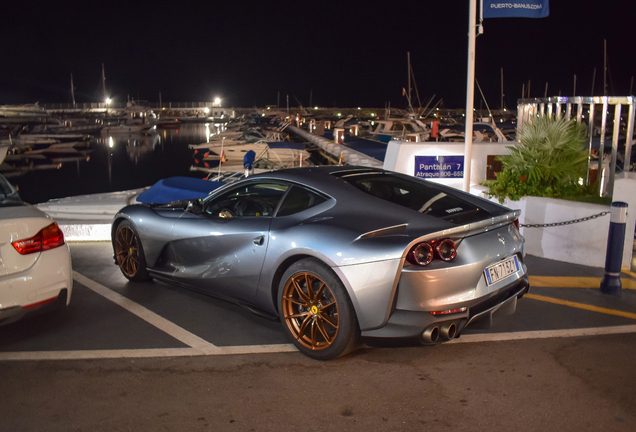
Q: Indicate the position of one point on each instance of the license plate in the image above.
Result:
(501, 270)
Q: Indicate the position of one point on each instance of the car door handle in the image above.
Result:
(259, 240)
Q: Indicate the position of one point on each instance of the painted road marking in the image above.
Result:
(581, 306)
(282, 348)
(574, 282)
(631, 273)
(145, 353)
(147, 315)
(544, 334)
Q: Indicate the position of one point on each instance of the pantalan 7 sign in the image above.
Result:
(439, 166)
(516, 8)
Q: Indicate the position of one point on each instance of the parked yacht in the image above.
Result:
(399, 128)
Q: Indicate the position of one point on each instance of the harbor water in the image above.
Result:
(113, 163)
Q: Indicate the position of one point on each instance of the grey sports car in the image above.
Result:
(337, 253)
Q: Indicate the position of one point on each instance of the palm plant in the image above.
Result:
(549, 160)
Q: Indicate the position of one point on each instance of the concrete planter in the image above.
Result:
(580, 243)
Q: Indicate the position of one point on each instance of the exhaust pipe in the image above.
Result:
(430, 335)
(449, 331)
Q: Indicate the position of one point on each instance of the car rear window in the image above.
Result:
(417, 195)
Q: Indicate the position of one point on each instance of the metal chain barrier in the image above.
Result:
(566, 222)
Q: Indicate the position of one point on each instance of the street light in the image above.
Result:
(108, 100)
(217, 101)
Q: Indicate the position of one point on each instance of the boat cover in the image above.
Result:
(177, 189)
(248, 159)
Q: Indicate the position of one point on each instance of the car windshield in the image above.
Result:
(416, 195)
(247, 200)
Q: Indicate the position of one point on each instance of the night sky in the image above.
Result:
(346, 53)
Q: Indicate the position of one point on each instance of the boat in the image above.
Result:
(399, 128)
(482, 132)
(69, 126)
(283, 152)
(139, 119)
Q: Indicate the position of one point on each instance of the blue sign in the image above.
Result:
(518, 8)
(439, 166)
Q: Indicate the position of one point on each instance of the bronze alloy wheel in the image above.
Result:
(310, 311)
(127, 251)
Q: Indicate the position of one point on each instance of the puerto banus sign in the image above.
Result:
(439, 166)
(518, 8)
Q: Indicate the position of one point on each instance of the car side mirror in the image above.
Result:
(195, 207)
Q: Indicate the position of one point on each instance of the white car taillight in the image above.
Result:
(47, 238)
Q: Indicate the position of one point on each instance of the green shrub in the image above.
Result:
(549, 161)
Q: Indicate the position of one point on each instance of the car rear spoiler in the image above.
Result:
(458, 231)
(474, 227)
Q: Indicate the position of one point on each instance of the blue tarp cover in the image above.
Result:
(177, 189)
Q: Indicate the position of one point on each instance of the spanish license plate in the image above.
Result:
(501, 270)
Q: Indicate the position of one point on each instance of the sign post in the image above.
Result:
(490, 9)
(470, 92)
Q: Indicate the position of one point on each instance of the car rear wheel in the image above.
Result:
(129, 253)
(316, 311)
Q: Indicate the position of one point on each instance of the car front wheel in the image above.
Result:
(316, 311)
(129, 253)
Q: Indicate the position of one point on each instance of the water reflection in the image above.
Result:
(105, 164)
(137, 145)
(23, 159)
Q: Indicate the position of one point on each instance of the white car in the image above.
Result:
(35, 261)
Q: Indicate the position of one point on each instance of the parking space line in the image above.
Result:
(257, 349)
(145, 353)
(574, 282)
(99, 354)
(582, 306)
(283, 348)
(631, 273)
(150, 317)
(544, 334)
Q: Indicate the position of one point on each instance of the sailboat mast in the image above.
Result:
(502, 91)
(604, 67)
(72, 91)
(574, 91)
(408, 95)
(104, 82)
(408, 62)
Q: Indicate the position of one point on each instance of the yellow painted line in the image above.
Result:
(631, 273)
(575, 282)
(582, 306)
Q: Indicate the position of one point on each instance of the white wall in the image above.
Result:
(400, 157)
(580, 243)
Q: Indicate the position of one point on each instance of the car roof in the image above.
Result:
(322, 178)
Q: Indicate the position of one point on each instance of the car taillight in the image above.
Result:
(47, 238)
(516, 222)
(423, 253)
(446, 250)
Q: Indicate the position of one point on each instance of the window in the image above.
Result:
(297, 200)
(247, 200)
(8, 195)
(418, 196)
